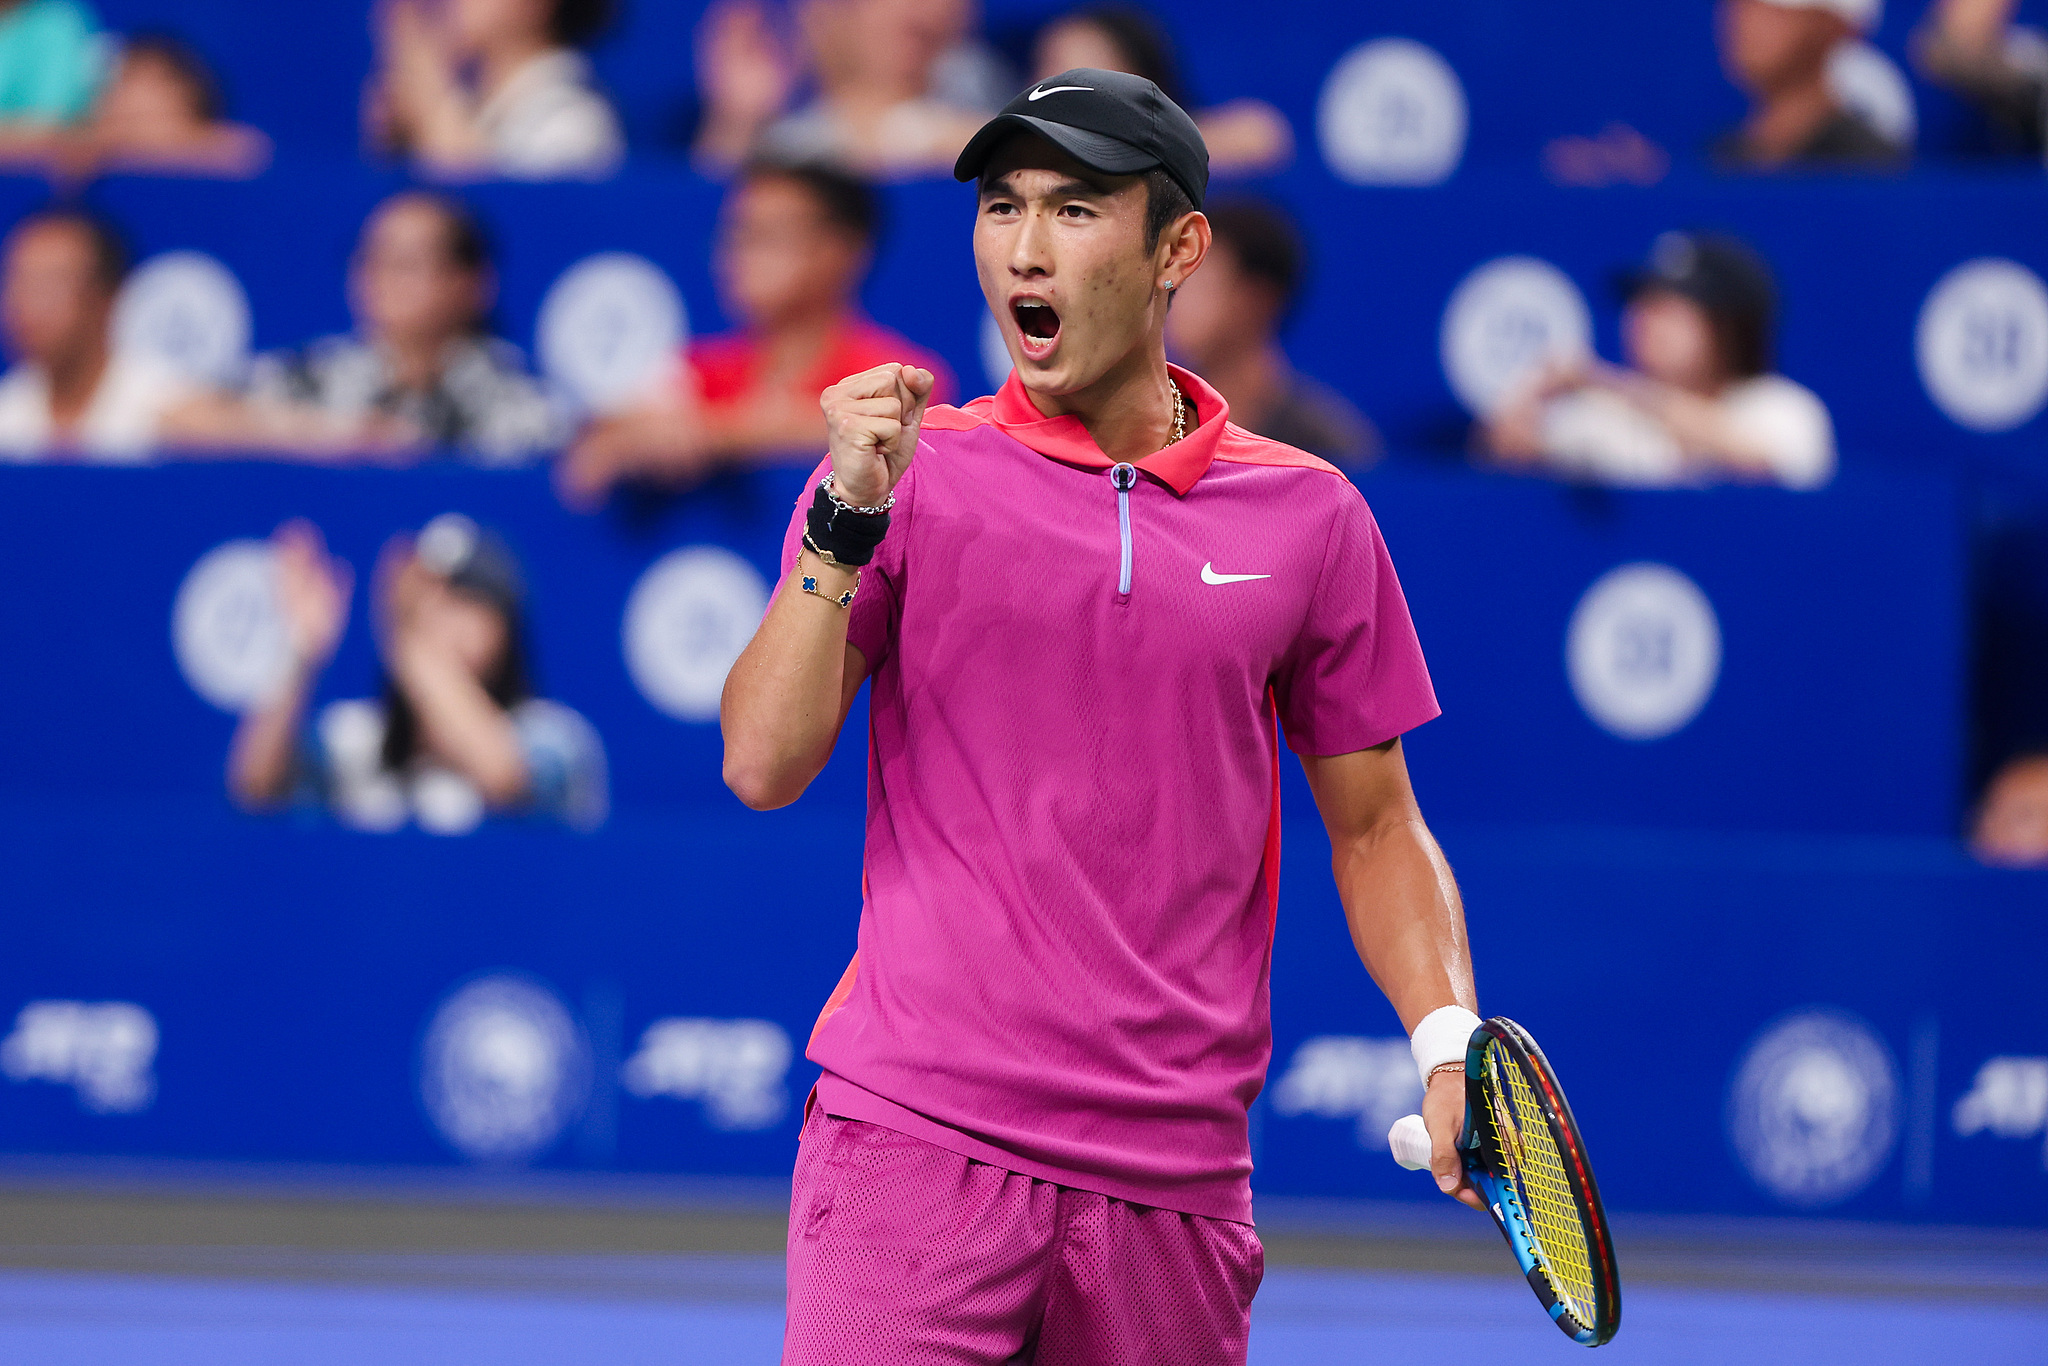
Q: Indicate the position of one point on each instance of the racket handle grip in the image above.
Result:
(1409, 1139)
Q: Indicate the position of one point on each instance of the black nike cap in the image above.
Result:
(1109, 121)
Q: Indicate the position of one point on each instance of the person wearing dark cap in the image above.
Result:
(1696, 400)
(457, 731)
(1084, 603)
(1226, 325)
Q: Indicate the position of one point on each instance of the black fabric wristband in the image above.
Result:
(849, 538)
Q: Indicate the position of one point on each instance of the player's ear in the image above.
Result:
(1183, 246)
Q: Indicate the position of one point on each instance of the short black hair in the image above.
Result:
(1148, 52)
(848, 202)
(1165, 203)
(109, 249)
(468, 241)
(576, 22)
(185, 63)
(1265, 242)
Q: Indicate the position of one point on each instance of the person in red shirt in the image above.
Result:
(794, 244)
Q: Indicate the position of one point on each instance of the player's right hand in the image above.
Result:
(871, 423)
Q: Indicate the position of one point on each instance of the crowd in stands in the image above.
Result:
(801, 104)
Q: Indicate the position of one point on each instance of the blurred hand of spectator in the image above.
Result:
(313, 593)
(794, 244)
(1697, 400)
(1776, 52)
(745, 77)
(491, 87)
(1974, 48)
(1244, 136)
(1225, 325)
(1618, 156)
(2012, 823)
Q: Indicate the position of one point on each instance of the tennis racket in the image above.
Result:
(1523, 1152)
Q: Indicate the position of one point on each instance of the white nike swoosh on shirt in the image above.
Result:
(1043, 91)
(1209, 575)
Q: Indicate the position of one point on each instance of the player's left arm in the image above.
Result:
(1405, 916)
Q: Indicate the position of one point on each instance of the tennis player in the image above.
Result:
(1083, 604)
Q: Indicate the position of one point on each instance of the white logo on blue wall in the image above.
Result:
(687, 620)
(1371, 1081)
(1392, 113)
(1814, 1108)
(187, 311)
(1504, 323)
(735, 1068)
(105, 1050)
(226, 627)
(610, 329)
(1982, 344)
(1643, 651)
(2007, 1099)
(1867, 82)
(504, 1068)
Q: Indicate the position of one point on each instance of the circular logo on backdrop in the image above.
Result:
(1871, 84)
(1814, 1107)
(609, 327)
(995, 356)
(226, 627)
(1643, 651)
(1982, 344)
(1504, 321)
(503, 1068)
(188, 311)
(687, 620)
(1392, 113)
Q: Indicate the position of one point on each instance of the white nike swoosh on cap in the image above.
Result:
(1045, 90)
(1209, 575)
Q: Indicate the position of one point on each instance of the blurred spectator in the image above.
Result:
(421, 371)
(1244, 136)
(793, 245)
(160, 111)
(457, 731)
(2012, 821)
(1225, 324)
(890, 95)
(471, 88)
(50, 59)
(1777, 52)
(1974, 48)
(1697, 400)
(70, 394)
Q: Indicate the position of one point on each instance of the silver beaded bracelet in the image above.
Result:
(842, 505)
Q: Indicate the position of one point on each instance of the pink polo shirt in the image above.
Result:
(1073, 837)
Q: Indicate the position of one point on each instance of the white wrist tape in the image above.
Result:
(1441, 1038)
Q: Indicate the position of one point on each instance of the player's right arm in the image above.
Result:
(789, 691)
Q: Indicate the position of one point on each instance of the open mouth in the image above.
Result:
(1038, 324)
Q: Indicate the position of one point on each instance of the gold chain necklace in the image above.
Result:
(1180, 414)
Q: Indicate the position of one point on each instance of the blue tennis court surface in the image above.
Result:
(681, 1309)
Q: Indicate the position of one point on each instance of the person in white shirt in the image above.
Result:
(1696, 402)
(70, 394)
(477, 88)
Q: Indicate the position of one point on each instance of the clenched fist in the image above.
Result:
(871, 422)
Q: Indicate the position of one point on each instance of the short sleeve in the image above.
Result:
(1788, 422)
(1354, 677)
(877, 606)
(565, 763)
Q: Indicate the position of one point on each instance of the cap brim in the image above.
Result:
(1097, 151)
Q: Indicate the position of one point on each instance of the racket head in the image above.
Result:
(1525, 1149)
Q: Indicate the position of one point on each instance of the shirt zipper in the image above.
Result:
(1124, 477)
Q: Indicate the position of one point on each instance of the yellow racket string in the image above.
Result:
(1538, 1171)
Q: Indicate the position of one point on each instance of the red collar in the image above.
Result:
(1064, 439)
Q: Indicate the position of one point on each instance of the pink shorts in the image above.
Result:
(904, 1254)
